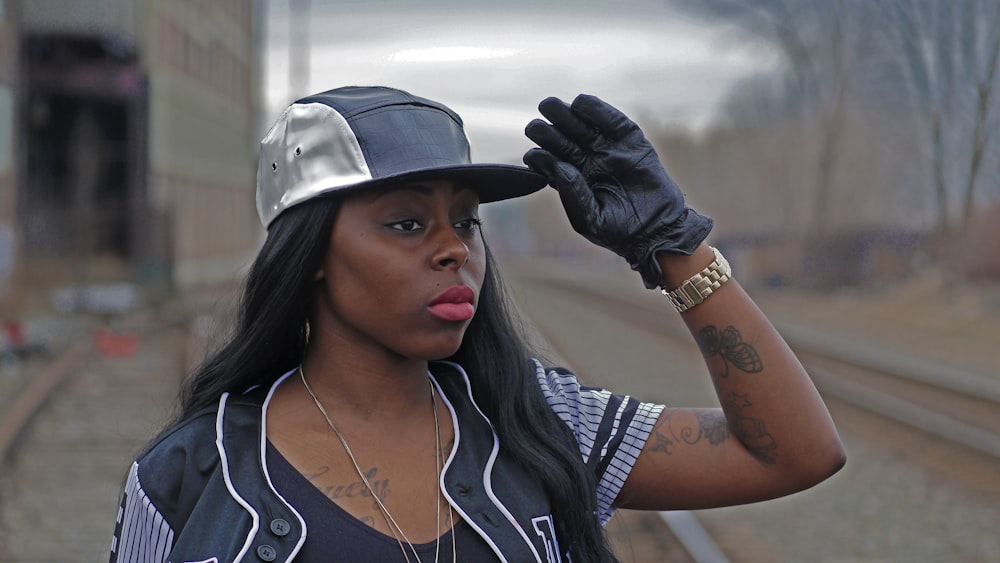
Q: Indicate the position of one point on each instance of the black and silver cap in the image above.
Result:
(359, 137)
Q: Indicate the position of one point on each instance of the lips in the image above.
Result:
(455, 304)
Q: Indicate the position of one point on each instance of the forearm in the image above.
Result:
(780, 438)
(770, 404)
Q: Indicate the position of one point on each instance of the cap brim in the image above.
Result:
(492, 182)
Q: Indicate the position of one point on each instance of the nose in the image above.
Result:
(451, 251)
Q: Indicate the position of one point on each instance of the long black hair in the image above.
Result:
(270, 335)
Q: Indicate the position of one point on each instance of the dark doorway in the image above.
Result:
(77, 177)
(82, 197)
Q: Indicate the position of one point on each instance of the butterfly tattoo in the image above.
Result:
(729, 344)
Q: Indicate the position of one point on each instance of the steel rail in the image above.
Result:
(683, 524)
(811, 346)
(32, 399)
(804, 342)
(909, 413)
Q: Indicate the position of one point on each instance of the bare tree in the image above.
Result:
(822, 43)
(937, 60)
(949, 52)
(983, 67)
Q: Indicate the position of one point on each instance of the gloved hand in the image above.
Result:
(612, 184)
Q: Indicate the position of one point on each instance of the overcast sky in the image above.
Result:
(492, 64)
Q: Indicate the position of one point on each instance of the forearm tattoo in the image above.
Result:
(713, 427)
(751, 431)
(730, 346)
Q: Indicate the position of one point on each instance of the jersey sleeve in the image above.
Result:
(610, 429)
(141, 532)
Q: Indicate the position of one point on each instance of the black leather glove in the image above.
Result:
(612, 184)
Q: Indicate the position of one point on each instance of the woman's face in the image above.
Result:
(403, 271)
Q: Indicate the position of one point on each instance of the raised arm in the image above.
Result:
(773, 435)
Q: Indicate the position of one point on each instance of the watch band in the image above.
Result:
(699, 286)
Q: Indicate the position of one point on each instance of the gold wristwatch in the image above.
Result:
(699, 286)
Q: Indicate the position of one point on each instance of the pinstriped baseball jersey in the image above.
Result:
(203, 491)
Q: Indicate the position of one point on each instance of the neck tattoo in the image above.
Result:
(390, 522)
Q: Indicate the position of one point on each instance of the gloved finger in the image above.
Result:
(565, 178)
(582, 132)
(544, 163)
(582, 208)
(609, 119)
(552, 140)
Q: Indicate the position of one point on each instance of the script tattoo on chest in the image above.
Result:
(355, 489)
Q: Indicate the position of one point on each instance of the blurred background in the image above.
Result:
(848, 151)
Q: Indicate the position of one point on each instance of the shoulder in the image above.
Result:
(176, 464)
(555, 380)
(565, 394)
(602, 421)
(174, 469)
(610, 429)
(198, 431)
(562, 387)
(193, 439)
(182, 440)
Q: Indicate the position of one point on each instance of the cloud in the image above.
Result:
(494, 66)
(450, 53)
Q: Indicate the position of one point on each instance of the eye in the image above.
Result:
(406, 225)
(470, 224)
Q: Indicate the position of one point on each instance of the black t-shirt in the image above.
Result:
(336, 535)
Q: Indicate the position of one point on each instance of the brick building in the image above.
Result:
(128, 133)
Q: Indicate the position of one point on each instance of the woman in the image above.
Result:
(374, 363)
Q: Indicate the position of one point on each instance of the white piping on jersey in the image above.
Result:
(488, 482)
(444, 471)
(488, 473)
(229, 483)
(263, 464)
(454, 424)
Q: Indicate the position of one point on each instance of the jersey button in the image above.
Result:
(267, 553)
(280, 527)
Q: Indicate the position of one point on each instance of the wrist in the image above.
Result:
(677, 268)
(700, 286)
(679, 238)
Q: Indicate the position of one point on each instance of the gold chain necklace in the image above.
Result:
(389, 520)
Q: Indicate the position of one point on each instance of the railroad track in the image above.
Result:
(30, 399)
(952, 405)
(963, 409)
(945, 401)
